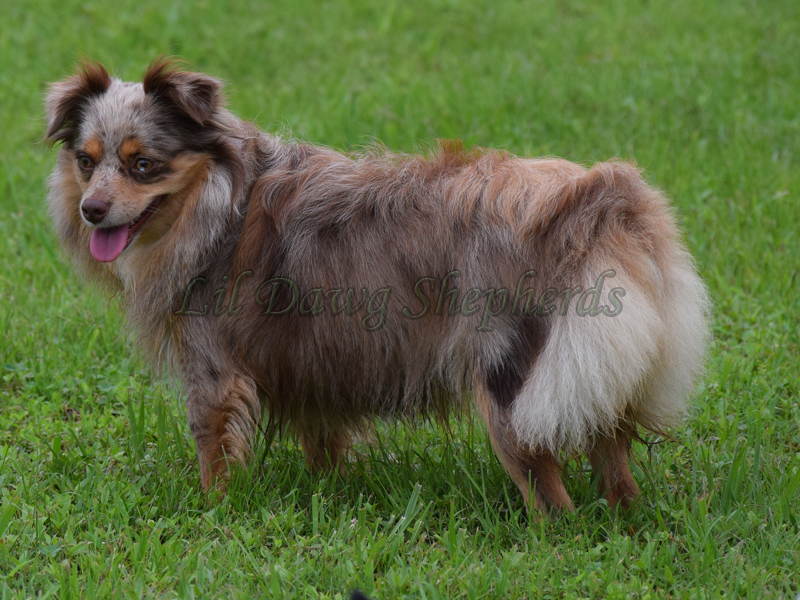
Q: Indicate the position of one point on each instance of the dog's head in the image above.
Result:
(131, 152)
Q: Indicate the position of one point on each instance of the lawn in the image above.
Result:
(99, 487)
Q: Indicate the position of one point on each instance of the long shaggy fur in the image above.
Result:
(248, 224)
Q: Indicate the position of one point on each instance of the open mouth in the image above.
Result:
(106, 244)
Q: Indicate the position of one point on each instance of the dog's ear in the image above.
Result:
(66, 99)
(195, 94)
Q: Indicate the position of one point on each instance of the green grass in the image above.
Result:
(99, 488)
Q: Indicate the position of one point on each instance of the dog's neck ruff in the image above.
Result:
(154, 282)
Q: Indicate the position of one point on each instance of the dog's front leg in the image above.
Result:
(223, 415)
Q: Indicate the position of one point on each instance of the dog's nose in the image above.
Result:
(94, 209)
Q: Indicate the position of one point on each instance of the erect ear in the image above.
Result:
(66, 99)
(195, 94)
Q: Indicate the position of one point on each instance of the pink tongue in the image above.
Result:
(107, 244)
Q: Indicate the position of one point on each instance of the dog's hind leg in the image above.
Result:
(610, 457)
(536, 472)
(223, 417)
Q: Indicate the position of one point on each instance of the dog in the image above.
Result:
(322, 291)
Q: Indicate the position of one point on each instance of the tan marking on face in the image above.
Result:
(79, 177)
(130, 148)
(182, 187)
(94, 148)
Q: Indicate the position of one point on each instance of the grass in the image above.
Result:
(99, 489)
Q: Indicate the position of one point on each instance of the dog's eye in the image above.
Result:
(143, 165)
(85, 162)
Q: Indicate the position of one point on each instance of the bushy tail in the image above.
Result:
(638, 359)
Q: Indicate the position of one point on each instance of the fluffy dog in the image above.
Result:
(325, 290)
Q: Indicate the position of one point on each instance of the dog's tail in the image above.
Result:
(630, 351)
